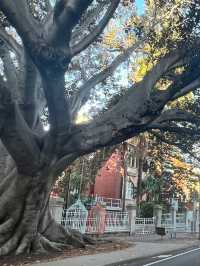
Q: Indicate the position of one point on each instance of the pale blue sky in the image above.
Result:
(140, 6)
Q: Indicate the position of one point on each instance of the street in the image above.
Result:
(181, 258)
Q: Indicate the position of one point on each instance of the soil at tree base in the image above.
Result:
(88, 250)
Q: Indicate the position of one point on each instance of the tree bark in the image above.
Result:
(26, 224)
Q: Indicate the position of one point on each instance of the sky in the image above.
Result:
(140, 6)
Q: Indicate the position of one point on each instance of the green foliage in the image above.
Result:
(146, 209)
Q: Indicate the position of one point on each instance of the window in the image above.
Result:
(129, 190)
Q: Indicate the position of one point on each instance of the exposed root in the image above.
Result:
(25, 239)
(26, 224)
(7, 226)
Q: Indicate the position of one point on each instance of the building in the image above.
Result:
(118, 176)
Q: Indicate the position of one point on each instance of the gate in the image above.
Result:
(76, 217)
(145, 226)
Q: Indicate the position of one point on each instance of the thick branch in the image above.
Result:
(10, 42)
(89, 18)
(18, 14)
(83, 44)
(9, 68)
(16, 135)
(130, 116)
(177, 115)
(190, 87)
(66, 15)
(20, 142)
(59, 113)
(173, 128)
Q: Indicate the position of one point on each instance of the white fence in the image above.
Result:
(145, 226)
(113, 222)
(75, 220)
(182, 223)
(117, 222)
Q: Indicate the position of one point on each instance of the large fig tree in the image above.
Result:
(39, 44)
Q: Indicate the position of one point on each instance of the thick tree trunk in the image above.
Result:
(26, 224)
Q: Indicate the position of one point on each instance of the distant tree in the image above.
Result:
(169, 174)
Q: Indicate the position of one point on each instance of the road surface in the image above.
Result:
(182, 258)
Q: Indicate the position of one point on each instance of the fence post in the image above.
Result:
(157, 213)
(131, 209)
(194, 218)
(188, 221)
(56, 208)
(173, 213)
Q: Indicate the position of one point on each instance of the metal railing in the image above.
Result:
(181, 224)
(145, 225)
(110, 203)
(112, 222)
(166, 220)
(75, 220)
(117, 222)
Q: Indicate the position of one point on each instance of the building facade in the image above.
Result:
(118, 176)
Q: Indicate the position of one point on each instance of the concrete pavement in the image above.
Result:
(140, 249)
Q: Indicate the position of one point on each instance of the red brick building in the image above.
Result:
(109, 179)
(109, 182)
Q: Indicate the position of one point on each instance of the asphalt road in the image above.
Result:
(182, 258)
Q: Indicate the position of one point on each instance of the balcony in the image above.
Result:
(111, 204)
(132, 171)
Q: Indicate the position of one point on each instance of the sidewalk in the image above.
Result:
(139, 249)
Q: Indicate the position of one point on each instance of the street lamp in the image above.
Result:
(196, 172)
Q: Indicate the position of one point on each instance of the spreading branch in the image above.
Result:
(10, 42)
(16, 135)
(130, 116)
(177, 115)
(83, 44)
(9, 68)
(65, 17)
(188, 88)
(173, 128)
(89, 18)
(18, 14)
(59, 113)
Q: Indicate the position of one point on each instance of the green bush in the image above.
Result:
(146, 209)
